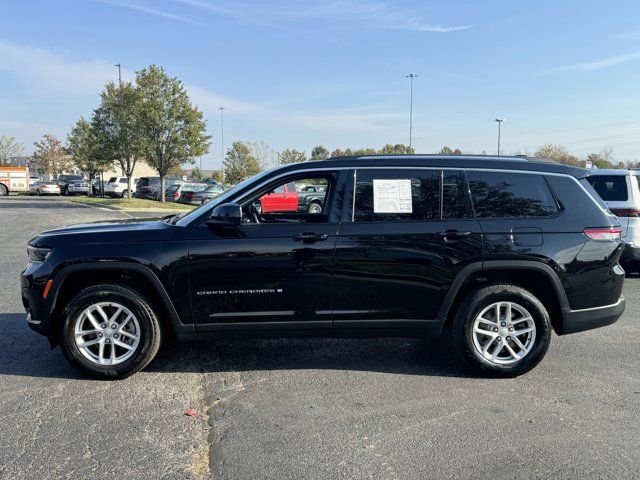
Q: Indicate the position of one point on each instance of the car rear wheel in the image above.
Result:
(501, 331)
(109, 332)
(3, 191)
(315, 208)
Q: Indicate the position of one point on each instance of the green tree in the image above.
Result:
(173, 131)
(83, 147)
(240, 163)
(289, 155)
(558, 153)
(598, 161)
(196, 174)
(445, 151)
(397, 149)
(116, 123)
(9, 147)
(50, 156)
(319, 152)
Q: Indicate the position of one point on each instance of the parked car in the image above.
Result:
(44, 188)
(287, 198)
(620, 191)
(497, 251)
(79, 187)
(149, 187)
(34, 178)
(176, 192)
(96, 185)
(119, 187)
(200, 195)
(64, 180)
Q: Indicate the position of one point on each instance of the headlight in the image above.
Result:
(37, 255)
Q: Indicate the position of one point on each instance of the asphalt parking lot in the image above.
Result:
(313, 409)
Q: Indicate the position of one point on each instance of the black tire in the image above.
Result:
(4, 191)
(315, 208)
(462, 330)
(39, 192)
(124, 193)
(150, 331)
(205, 200)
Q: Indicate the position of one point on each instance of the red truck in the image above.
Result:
(287, 198)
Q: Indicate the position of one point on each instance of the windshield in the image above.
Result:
(221, 198)
(112, 180)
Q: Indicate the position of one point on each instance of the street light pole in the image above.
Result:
(499, 121)
(119, 73)
(222, 139)
(411, 76)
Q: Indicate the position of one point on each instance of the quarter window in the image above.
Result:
(510, 195)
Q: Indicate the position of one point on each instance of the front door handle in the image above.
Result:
(449, 235)
(308, 237)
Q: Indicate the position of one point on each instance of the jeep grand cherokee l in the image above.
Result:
(496, 251)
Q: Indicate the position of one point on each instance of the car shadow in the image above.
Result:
(39, 202)
(25, 353)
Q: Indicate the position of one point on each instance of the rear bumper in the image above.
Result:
(590, 318)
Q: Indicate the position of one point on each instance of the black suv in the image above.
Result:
(496, 251)
(64, 180)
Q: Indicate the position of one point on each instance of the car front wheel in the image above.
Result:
(501, 331)
(109, 332)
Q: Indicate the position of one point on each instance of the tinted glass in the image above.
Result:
(122, 180)
(291, 187)
(424, 201)
(112, 180)
(611, 188)
(456, 201)
(497, 194)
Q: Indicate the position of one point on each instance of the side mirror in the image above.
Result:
(226, 215)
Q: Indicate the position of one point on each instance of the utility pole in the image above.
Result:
(119, 73)
(411, 76)
(222, 139)
(499, 121)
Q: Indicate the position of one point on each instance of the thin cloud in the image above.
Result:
(151, 11)
(596, 65)
(376, 15)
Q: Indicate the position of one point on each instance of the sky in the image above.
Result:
(296, 74)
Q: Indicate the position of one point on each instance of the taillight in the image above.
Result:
(625, 212)
(603, 234)
(176, 194)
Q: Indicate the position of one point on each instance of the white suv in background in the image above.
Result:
(117, 187)
(620, 191)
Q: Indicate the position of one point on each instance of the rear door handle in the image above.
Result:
(308, 237)
(453, 234)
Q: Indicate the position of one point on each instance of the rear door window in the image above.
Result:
(510, 195)
(611, 188)
(397, 195)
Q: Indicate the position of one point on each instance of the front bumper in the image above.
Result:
(34, 304)
(590, 318)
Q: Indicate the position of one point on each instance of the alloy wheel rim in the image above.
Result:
(504, 333)
(107, 333)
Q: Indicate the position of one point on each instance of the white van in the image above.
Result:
(620, 191)
(117, 187)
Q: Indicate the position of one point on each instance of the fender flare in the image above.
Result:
(476, 267)
(61, 276)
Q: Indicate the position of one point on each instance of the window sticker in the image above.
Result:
(392, 196)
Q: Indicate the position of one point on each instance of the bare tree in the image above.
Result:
(9, 147)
